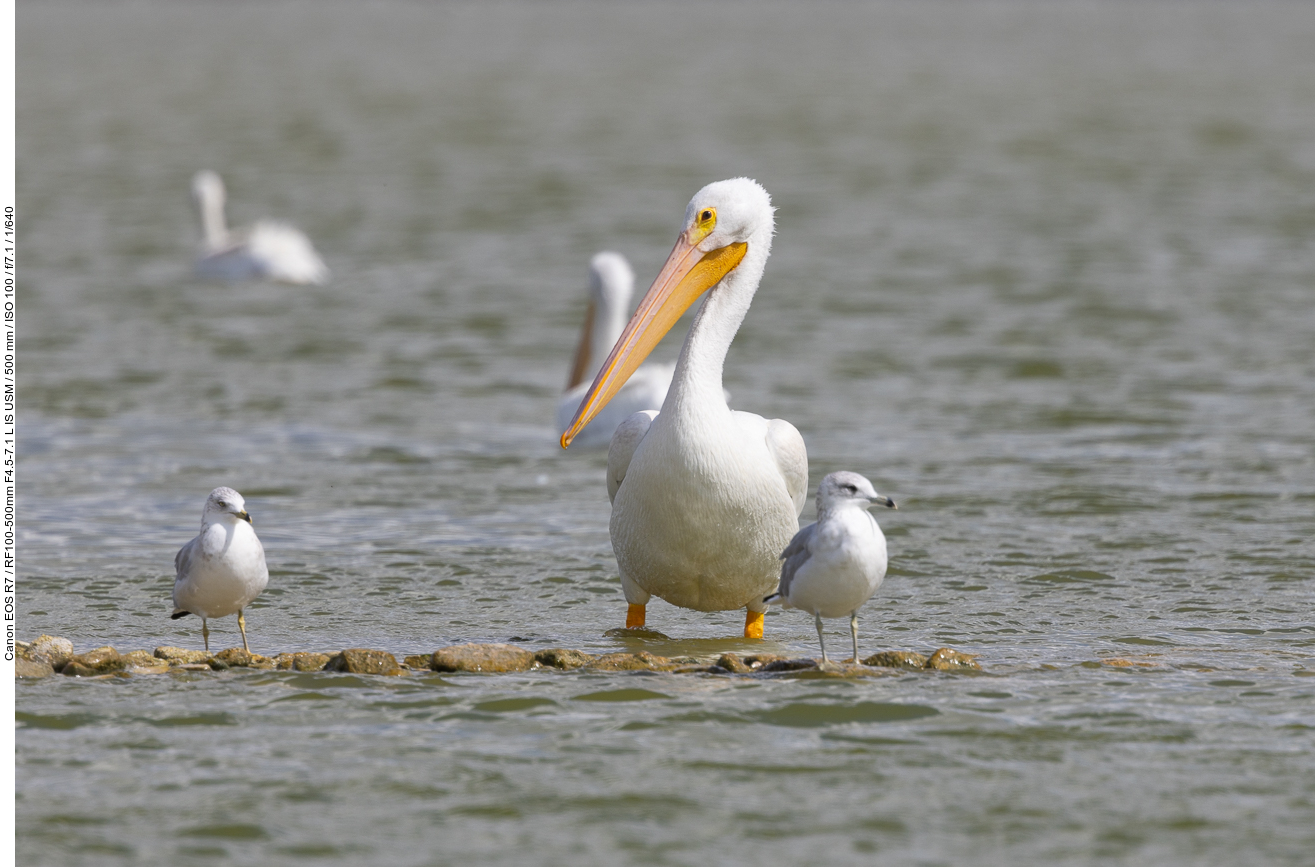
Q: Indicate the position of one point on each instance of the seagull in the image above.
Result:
(268, 250)
(223, 568)
(611, 283)
(835, 565)
(703, 497)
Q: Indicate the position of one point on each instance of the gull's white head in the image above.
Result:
(224, 505)
(845, 488)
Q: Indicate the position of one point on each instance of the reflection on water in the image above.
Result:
(1043, 271)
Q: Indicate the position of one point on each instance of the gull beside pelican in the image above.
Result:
(220, 571)
(704, 498)
(835, 565)
(267, 250)
(611, 283)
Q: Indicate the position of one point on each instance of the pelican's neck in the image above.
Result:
(696, 385)
(214, 231)
(611, 310)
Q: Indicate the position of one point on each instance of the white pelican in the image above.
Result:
(220, 571)
(268, 250)
(832, 567)
(611, 283)
(703, 498)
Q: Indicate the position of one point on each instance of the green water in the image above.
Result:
(1045, 272)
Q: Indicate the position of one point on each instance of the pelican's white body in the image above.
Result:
(703, 497)
(611, 283)
(268, 250)
(223, 569)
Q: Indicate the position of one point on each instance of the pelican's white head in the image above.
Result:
(844, 488)
(735, 211)
(725, 241)
(611, 280)
(224, 505)
(208, 193)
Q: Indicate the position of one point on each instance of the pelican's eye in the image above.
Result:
(707, 219)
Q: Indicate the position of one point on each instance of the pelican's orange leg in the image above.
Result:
(634, 616)
(753, 624)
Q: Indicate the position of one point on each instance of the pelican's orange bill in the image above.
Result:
(687, 275)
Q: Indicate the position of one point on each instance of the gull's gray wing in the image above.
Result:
(795, 555)
(183, 559)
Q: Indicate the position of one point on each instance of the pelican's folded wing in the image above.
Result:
(625, 440)
(787, 446)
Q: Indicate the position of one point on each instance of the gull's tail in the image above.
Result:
(179, 613)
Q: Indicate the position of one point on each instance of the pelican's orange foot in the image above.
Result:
(635, 616)
(753, 624)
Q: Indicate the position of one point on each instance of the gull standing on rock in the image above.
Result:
(267, 250)
(223, 568)
(835, 565)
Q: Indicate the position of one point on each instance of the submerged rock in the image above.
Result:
(236, 657)
(361, 661)
(947, 659)
(181, 656)
(102, 660)
(481, 657)
(419, 661)
(641, 661)
(32, 668)
(48, 648)
(561, 657)
(897, 659)
(301, 661)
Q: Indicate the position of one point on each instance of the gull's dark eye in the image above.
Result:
(851, 489)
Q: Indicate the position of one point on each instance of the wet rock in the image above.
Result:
(32, 668)
(641, 632)
(560, 657)
(144, 662)
(788, 665)
(756, 661)
(897, 659)
(946, 659)
(236, 657)
(732, 663)
(641, 661)
(481, 657)
(180, 656)
(301, 661)
(48, 648)
(419, 661)
(358, 660)
(102, 660)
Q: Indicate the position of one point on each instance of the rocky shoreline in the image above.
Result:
(49, 655)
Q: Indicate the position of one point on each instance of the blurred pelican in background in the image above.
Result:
(611, 283)
(268, 250)
(704, 498)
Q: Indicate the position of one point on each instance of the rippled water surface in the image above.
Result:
(1045, 272)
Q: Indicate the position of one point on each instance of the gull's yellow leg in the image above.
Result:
(634, 616)
(853, 630)
(205, 634)
(242, 625)
(753, 624)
